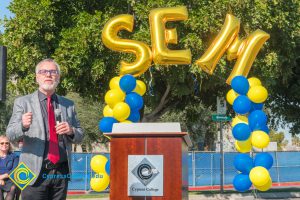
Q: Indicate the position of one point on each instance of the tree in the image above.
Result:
(296, 141)
(6, 111)
(89, 113)
(279, 138)
(70, 32)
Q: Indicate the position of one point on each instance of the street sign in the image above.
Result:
(220, 118)
(221, 105)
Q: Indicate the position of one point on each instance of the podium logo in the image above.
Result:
(145, 172)
(22, 176)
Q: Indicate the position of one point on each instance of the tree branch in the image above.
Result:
(162, 103)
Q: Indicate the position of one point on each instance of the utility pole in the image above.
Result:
(221, 159)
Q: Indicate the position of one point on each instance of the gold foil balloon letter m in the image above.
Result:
(244, 51)
(112, 41)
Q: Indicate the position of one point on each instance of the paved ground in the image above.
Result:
(260, 196)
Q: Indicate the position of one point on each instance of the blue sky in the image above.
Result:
(4, 11)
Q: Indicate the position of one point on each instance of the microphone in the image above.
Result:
(58, 120)
(57, 116)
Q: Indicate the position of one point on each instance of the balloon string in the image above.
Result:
(151, 93)
(196, 84)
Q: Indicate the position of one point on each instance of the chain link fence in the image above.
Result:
(204, 170)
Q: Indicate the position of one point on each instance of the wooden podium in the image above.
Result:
(172, 146)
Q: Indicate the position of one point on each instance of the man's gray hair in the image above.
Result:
(47, 60)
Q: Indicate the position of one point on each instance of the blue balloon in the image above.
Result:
(265, 129)
(257, 119)
(261, 127)
(242, 105)
(256, 106)
(127, 83)
(240, 85)
(241, 131)
(106, 124)
(135, 101)
(263, 159)
(134, 116)
(243, 162)
(107, 167)
(242, 182)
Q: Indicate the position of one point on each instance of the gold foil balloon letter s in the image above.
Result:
(161, 36)
(112, 41)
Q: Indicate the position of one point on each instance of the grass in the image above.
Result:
(103, 195)
(212, 192)
(88, 196)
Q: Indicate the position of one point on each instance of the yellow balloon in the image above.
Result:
(98, 163)
(121, 111)
(257, 94)
(127, 122)
(260, 139)
(161, 36)
(114, 83)
(140, 87)
(265, 187)
(231, 96)
(239, 119)
(142, 52)
(114, 96)
(259, 176)
(100, 182)
(254, 81)
(243, 146)
(107, 111)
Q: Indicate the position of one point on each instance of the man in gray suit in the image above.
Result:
(48, 125)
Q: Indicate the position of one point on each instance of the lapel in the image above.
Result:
(62, 107)
(35, 103)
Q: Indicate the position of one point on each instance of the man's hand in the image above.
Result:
(64, 128)
(2, 182)
(27, 119)
(4, 176)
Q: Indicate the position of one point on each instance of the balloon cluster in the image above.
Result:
(101, 166)
(124, 100)
(250, 129)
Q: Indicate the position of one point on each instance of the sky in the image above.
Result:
(4, 11)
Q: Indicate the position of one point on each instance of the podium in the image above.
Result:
(148, 161)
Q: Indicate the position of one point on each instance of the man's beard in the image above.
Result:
(48, 87)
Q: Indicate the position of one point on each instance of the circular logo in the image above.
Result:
(144, 171)
(21, 176)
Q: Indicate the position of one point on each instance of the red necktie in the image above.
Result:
(53, 151)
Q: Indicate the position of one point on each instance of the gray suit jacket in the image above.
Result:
(34, 138)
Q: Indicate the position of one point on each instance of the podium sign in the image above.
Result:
(145, 175)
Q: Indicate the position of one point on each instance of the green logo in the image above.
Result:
(22, 176)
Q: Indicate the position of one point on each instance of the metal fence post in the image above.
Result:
(194, 168)
(86, 171)
(211, 169)
(277, 168)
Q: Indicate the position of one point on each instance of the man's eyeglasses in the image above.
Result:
(6, 143)
(45, 72)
